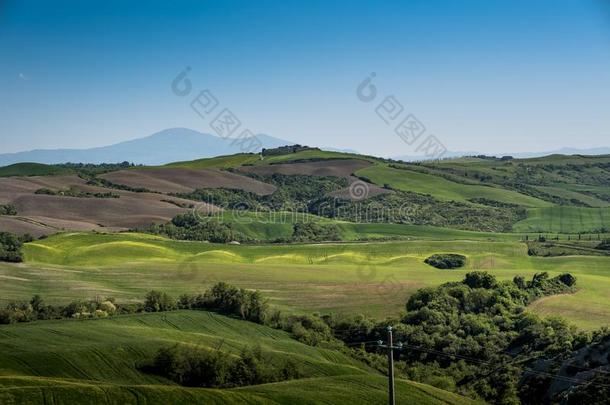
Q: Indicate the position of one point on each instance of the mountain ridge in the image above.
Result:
(166, 146)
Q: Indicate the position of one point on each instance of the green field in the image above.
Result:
(32, 169)
(441, 188)
(368, 278)
(565, 220)
(95, 361)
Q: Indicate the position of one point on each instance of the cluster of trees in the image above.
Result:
(91, 169)
(284, 150)
(294, 193)
(37, 309)
(74, 192)
(10, 246)
(190, 226)
(199, 367)
(8, 209)
(474, 336)
(222, 298)
(315, 232)
(446, 261)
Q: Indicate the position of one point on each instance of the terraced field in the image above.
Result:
(96, 361)
(369, 278)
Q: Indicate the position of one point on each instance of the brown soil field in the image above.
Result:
(20, 226)
(40, 214)
(370, 190)
(331, 167)
(178, 180)
(11, 185)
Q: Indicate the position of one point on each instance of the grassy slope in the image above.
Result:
(369, 278)
(564, 220)
(443, 189)
(219, 162)
(94, 361)
(240, 159)
(31, 169)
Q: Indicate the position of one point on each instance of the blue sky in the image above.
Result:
(490, 76)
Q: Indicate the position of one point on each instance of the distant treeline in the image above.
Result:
(285, 150)
(75, 192)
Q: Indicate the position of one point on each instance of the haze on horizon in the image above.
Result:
(482, 76)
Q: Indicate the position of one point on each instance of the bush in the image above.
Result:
(446, 261)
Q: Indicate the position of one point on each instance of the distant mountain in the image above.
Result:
(170, 145)
(519, 155)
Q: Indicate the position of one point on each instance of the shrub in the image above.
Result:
(446, 261)
(567, 279)
(8, 209)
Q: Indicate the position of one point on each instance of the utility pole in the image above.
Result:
(390, 346)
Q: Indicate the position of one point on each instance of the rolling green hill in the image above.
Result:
(95, 361)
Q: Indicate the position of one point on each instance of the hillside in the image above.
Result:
(554, 194)
(95, 361)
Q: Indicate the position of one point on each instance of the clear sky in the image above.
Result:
(488, 75)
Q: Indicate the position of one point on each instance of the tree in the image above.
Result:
(157, 301)
(10, 248)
